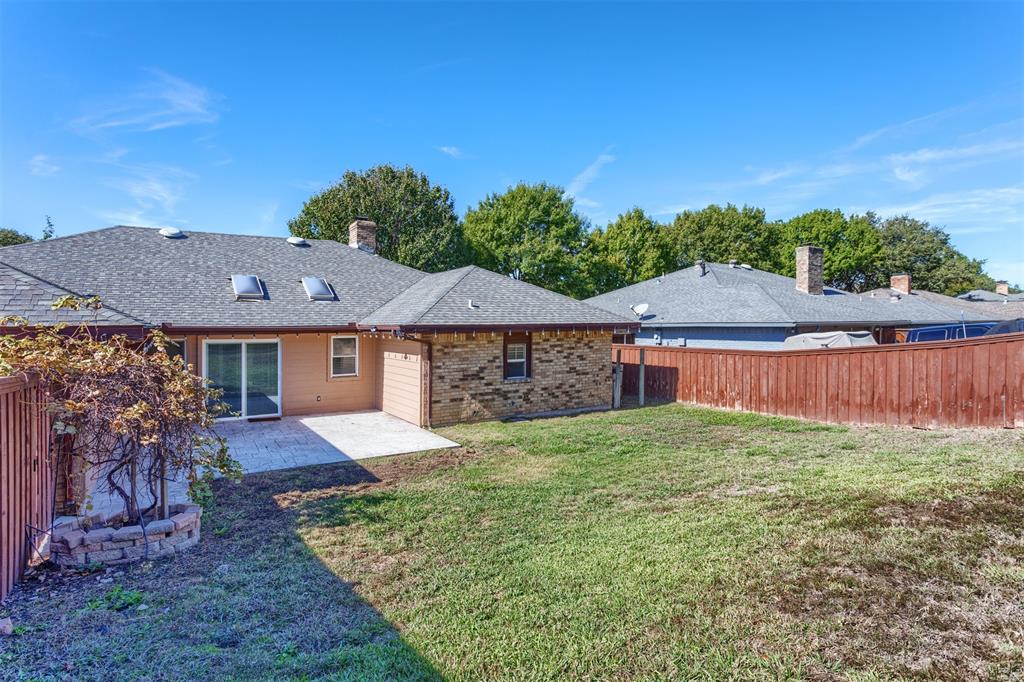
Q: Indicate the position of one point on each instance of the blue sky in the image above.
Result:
(226, 117)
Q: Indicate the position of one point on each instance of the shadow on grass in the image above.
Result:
(251, 601)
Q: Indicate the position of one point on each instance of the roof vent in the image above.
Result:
(247, 287)
(473, 305)
(318, 289)
(171, 233)
(746, 266)
(732, 262)
(297, 241)
(702, 267)
(639, 309)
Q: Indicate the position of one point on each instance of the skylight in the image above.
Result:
(247, 287)
(317, 289)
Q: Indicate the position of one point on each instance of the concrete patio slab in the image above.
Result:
(323, 439)
(303, 441)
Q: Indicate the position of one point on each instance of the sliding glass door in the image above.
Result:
(249, 372)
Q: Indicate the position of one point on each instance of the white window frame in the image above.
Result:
(244, 379)
(331, 356)
(508, 362)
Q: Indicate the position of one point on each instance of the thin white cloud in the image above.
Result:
(969, 212)
(1010, 271)
(164, 101)
(586, 203)
(155, 190)
(906, 127)
(583, 179)
(767, 177)
(452, 151)
(266, 219)
(974, 151)
(673, 209)
(43, 166)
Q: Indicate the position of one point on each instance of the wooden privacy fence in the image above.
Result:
(26, 476)
(973, 382)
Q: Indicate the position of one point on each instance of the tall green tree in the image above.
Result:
(719, 234)
(416, 220)
(9, 237)
(852, 246)
(926, 254)
(531, 233)
(631, 249)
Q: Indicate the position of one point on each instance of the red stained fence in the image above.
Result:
(26, 475)
(974, 382)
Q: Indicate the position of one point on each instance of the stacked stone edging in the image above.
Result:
(78, 542)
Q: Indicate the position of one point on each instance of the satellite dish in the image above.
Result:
(639, 309)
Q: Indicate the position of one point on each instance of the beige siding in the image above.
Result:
(306, 383)
(400, 373)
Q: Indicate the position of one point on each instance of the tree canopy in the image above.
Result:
(719, 234)
(9, 237)
(529, 232)
(416, 220)
(533, 232)
(852, 246)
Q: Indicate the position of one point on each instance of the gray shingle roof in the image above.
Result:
(990, 296)
(928, 307)
(186, 283)
(443, 299)
(22, 295)
(736, 296)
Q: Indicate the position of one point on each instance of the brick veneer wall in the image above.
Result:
(570, 371)
(73, 545)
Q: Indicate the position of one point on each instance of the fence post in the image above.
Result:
(641, 377)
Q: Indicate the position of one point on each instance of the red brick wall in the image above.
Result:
(570, 371)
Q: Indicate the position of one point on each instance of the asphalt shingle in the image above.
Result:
(733, 295)
(187, 283)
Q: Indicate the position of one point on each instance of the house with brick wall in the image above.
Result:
(295, 327)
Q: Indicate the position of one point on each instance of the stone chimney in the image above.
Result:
(1002, 288)
(362, 234)
(900, 282)
(810, 273)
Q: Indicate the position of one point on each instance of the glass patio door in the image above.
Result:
(249, 373)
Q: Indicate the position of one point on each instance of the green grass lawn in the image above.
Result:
(662, 542)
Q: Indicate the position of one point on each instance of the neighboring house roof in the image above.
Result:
(28, 297)
(729, 295)
(186, 283)
(991, 296)
(472, 296)
(929, 307)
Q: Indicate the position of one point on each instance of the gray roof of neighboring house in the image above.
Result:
(736, 296)
(990, 296)
(922, 304)
(444, 298)
(25, 296)
(186, 282)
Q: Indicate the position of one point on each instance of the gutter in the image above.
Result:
(199, 330)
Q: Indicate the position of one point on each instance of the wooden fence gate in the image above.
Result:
(26, 476)
(973, 382)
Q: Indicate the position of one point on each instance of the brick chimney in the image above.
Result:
(900, 282)
(810, 274)
(362, 234)
(1002, 288)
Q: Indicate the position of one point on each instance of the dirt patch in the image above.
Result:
(940, 613)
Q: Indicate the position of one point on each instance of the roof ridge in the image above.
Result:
(70, 291)
(438, 299)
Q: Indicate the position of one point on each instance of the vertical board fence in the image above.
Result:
(26, 475)
(975, 382)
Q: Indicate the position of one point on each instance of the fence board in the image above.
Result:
(26, 475)
(973, 382)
